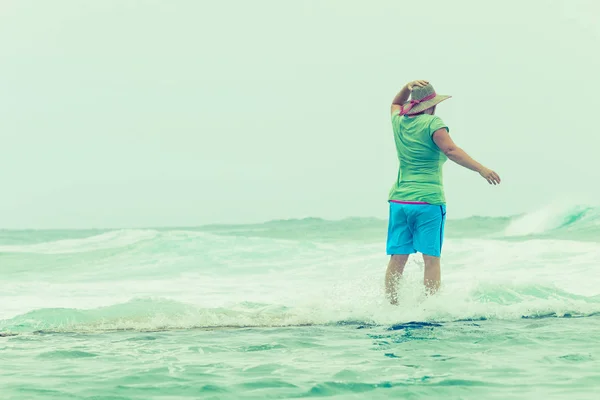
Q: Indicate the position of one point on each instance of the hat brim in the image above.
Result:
(427, 104)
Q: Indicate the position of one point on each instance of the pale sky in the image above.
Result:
(119, 113)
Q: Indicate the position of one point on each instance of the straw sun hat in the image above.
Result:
(421, 98)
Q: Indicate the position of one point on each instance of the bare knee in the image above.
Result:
(431, 261)
(397, 263)
(399, 258)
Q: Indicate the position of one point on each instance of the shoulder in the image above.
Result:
(436, 123)
(430, 118)
(397, 118)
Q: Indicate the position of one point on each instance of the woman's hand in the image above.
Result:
(421, 83)
(490, 176)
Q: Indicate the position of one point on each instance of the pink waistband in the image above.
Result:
(408, 202)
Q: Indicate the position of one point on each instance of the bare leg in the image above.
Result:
(432, 273)
(393, 274)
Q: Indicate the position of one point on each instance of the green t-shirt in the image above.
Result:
(421, 161)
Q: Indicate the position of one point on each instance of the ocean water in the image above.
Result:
(295, 309)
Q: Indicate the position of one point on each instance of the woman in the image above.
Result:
(417, 202)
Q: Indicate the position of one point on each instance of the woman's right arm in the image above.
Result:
(404, 94)
(442, 139)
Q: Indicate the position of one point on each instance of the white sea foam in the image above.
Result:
(551, 217)
(276, 282)
(107, 240)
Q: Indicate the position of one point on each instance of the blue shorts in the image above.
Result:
(416, 227)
